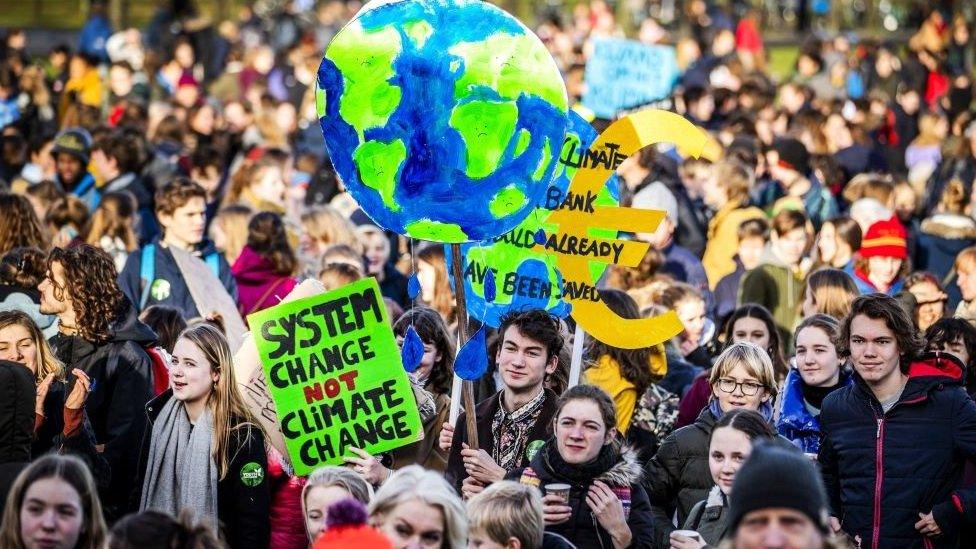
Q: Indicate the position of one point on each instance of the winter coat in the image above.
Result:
(485, 412)
(882, 469)
(865, 286)
(940, 240)
(681, 373)
(426, 452)
(793, 419)
(287, 521)
(121, 385)
(394, 286)
(677, 477)
(243, 502)
(618, 470)
(727, 291)
(175, 292)
(776, 286)
(723, 240)
(710, 517)
(606, 374)
(16, 423)
(258, 285)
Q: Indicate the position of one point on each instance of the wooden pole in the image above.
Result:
(467, 388)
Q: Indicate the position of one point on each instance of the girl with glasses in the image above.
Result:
(742, 378)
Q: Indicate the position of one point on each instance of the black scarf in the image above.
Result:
(582, 473)
(814, 396)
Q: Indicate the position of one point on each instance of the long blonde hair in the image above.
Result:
(47, 363)
(233, 220)
(326, 225)
(225, 401)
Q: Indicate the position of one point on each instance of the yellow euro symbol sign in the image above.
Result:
(624, 137)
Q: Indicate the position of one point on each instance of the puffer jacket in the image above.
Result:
(710, 517)
(793, 419)
(866, 287)
(121, 385)
(677, 477)
(940, 240)
(882, 469)
(618, 470)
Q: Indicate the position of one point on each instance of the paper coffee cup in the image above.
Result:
(690, 534)
(561, 490)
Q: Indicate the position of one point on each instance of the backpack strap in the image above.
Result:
(147, 272)
(213, 261)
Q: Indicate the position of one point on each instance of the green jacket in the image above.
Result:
(710, 518)
(777, 287)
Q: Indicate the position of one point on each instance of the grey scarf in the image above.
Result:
(180, 471)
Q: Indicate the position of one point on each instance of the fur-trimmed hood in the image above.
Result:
(950, 226)
(627, 471)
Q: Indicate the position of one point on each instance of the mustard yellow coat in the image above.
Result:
(605, 374)
(723, 239)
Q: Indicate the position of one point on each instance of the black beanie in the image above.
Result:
(778, 477)
(792, 154)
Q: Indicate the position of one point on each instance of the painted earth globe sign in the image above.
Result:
(444, 119)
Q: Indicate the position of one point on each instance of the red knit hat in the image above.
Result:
(347, 529)
(885, 239)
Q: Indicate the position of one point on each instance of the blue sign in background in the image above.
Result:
(625, 74)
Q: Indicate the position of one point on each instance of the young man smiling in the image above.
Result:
(896, 440)
(515, 422)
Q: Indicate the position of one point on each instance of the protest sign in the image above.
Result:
(332, 366)
(625, 74)
(443, 118)
(525, 276)
(575, 248)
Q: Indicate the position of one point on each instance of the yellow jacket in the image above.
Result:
(605, 374)
(88, 88)
(723, 239)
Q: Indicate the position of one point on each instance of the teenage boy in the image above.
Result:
(508, 515)
(896, 440)
(515, 422)
(777, 283)
(116, 162)
(152, 275)
(71, 153)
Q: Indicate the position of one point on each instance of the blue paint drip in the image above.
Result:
(472, 360)
(540, 237)
(490, 286)
(412, 350)
(432, 181)
(413, 286)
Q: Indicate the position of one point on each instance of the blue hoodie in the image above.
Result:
(794, 419)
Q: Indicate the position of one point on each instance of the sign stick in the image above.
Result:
(576, 365)
(467, 388)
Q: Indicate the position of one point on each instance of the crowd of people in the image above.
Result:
(159, 186)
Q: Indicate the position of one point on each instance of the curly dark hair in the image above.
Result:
(266, 235)
(896, 318)
(19, 225)
(90, 280)
(23, 267)
(432, 331)
(634, 363)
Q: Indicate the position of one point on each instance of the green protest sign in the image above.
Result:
(333, 369)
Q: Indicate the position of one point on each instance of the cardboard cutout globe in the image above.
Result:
(444, 119)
